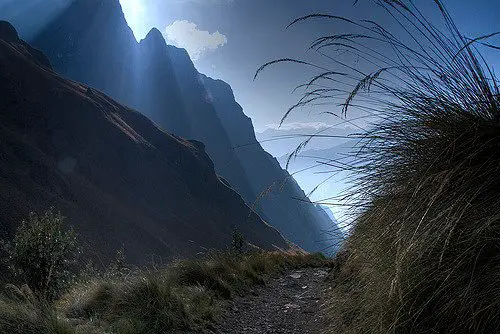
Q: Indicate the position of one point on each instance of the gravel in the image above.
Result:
(289, 304)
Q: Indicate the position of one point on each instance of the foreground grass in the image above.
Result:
(423, 253)
(184, 296)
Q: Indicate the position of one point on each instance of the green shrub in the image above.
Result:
(42, 254)
(237, 242)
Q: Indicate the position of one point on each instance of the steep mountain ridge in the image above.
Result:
(282, 197)
(91, 42)
(120, 179)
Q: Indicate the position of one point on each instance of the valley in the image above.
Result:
(136, 197)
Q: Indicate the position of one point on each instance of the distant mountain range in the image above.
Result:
(90, 42)
(308, 157)
(285, 139)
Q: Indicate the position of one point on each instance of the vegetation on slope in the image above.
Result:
(423, 253)
(43, 254)
(183, 296)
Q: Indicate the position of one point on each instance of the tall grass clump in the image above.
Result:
(21, 312)
(423, 253)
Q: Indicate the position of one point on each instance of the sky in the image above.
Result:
(231, 39)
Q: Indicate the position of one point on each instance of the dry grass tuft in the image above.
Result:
(423, 254)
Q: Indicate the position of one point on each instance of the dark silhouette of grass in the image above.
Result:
(423, 255)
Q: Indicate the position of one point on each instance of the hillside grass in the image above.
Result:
(187, 295)
(423, 253)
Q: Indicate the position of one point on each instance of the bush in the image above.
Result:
(42, 254)
(237, 242)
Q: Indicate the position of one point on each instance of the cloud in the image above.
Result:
(185, 34)
(298, 126)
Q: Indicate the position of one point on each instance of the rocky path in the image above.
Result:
(289, 304)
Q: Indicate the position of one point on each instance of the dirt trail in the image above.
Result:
(289, 304)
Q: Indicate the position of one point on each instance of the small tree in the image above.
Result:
(238, 242)
(119, 267)
(42, 254)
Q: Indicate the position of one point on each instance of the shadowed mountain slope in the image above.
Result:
(91, 42)
(282, 199)
(120, 179)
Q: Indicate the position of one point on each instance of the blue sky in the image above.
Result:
(230, 39)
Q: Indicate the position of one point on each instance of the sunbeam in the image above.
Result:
(31, 16)
(134, 14)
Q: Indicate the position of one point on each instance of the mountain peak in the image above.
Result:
(8, 32)
(155, 36)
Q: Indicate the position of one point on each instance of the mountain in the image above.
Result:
(91, 42)
(283, 202)
(120, 179)
(327, 210)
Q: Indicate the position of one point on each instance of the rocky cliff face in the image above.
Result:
(91, 42)
(120, 179)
